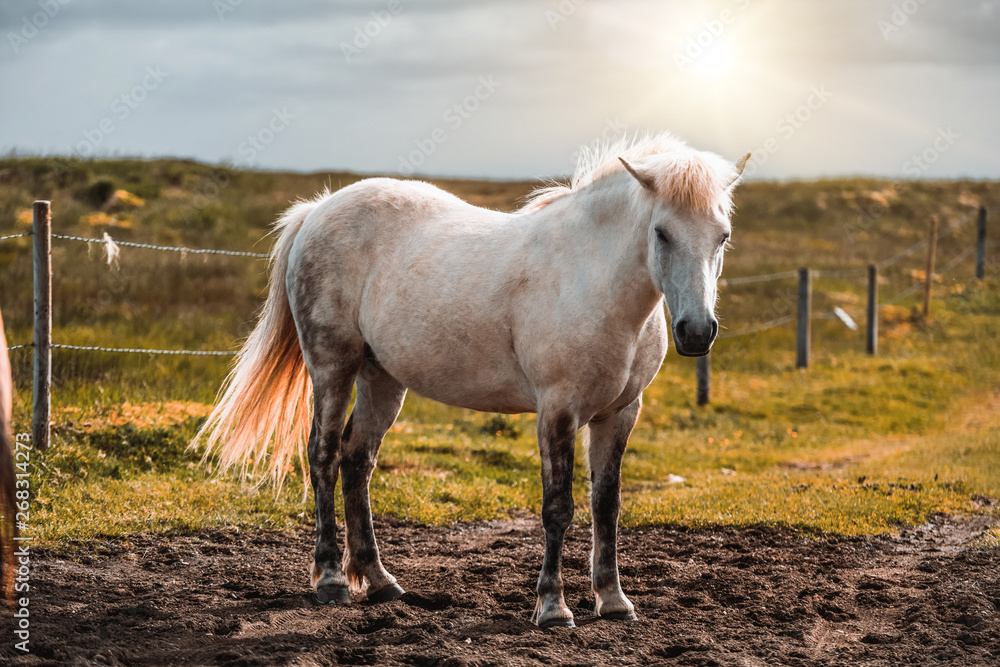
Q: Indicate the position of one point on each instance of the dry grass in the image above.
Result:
(854, 445)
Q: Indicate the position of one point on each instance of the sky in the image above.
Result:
(507, 88)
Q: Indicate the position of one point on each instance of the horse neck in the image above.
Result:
(607, 223)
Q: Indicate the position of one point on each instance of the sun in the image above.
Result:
(717, 62)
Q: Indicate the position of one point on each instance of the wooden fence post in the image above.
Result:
(42, 265)
(981, 245)
(804, 316)
(871, 330)
(704, 378)
(931, 251)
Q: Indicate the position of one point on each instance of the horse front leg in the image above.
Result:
(556, 444)
(608, 439)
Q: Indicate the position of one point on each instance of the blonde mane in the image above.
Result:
(692, 181)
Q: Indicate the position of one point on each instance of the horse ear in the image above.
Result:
(645, 180)
(741, 165)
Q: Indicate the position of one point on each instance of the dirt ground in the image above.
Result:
(709, 597)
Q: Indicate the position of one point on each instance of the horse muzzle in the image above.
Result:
(695, 340)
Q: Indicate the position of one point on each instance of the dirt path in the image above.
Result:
(713, 597)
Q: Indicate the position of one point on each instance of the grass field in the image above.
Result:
(854, 445)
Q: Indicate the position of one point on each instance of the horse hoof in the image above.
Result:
(620, 616)
(386, 593)
(558, 623)
(333, 595)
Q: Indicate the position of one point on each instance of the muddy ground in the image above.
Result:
(709, 597)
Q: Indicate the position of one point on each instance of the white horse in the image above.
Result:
(8, 502)
(555, 309)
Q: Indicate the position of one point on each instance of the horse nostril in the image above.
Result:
(715, 329)
(681, 330)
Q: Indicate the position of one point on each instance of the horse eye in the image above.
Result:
(725, 240)
(661, 237)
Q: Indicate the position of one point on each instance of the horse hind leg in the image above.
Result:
(332, 382)
(379, 399)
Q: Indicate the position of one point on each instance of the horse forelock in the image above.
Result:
(691, 181)
(696, 182)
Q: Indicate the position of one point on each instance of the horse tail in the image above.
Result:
(8, 527)
(264, 403)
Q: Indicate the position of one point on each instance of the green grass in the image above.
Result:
(855, 445)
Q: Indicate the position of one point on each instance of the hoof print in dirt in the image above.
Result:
(430, 602)
(619, 616)
(386, 594)
(333, 595)
(879, 638)
(891, 613)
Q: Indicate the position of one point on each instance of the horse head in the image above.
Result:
(690, 197)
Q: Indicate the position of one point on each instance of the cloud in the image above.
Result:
(564, 80)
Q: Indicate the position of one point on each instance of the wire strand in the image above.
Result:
(839, 273)
(194, 251)
(758, 279)
(759, 327)
(95, 348)
(919, 286)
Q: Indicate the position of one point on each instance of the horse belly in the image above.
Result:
(465, 366)
(483, 382)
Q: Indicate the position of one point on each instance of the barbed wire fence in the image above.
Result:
(112, 247)
(43, 345)
(804, 315)
(42, 278)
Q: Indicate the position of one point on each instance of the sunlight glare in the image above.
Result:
(718, 62)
